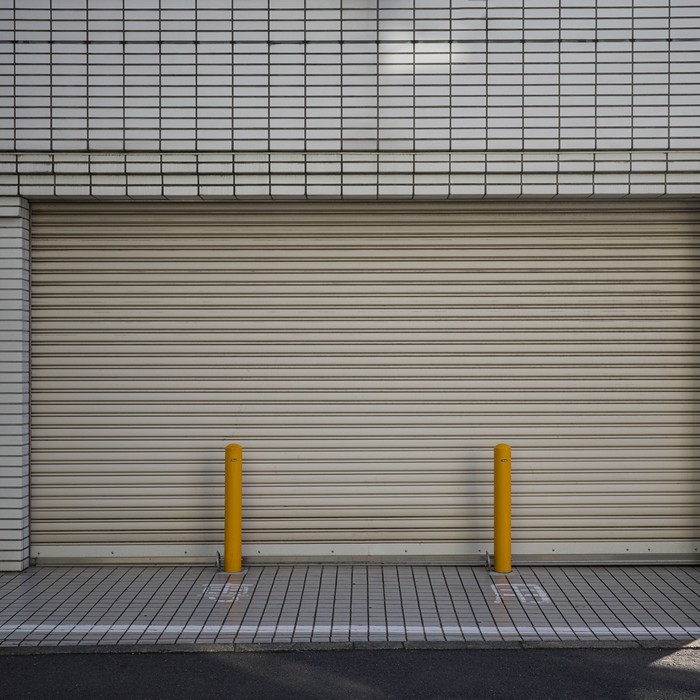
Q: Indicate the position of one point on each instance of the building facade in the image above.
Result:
(368, 241)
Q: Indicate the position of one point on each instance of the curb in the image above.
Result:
(279, 647)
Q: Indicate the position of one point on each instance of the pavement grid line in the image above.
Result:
(83, 606)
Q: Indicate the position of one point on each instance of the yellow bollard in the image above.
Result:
(233, 490)
(501, 509)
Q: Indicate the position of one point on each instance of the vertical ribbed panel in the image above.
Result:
(368, 357)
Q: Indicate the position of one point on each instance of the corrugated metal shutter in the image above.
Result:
(368, 357)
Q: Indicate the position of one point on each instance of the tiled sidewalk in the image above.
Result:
(360, 605)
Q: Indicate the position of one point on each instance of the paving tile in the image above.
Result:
(65, 606)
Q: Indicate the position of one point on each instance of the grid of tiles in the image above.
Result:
(346, 604)
(330, 75)
(346, 175)
(14, 383)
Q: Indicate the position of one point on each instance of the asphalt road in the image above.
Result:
(559, 674)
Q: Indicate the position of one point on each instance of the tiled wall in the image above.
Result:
(356, 174)
(435, 98)
(329, 75)
(349, 98)
(14, 383)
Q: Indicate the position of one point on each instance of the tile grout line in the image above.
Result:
(504, 611)
(638, 593)
(81, 601)
(681, 582)
(120, 588)
(604, 625)
(611, 590)
(258, 573)
(666, 585)
(174, 588)
(517, 604)
(384, 599)
(582, 622)
(143, 605)
(441, 569)
(426, 571)
(414, 592)
(403, 610)
(37, 611)
(284, 600)
(335, 597)
(267, 606)
(195, 581)
(576, 605)
(487, 607)
(22, 592)
(284, 607)
(300, 604)
(262, 580)
(244, 582)
(469, 603)
(539, 609)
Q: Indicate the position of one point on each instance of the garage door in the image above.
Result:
(368, 357)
